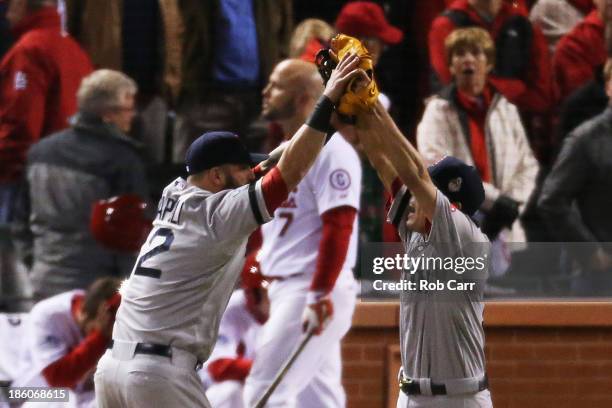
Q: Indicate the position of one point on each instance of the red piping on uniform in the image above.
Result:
(69, 370)
(274, 189)
(335, 239)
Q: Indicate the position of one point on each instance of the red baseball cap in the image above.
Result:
(364, 18)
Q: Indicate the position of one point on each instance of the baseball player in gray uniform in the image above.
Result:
(172, 303)
(441, 334)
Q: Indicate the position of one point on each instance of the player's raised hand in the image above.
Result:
(317, 314)
(342, 75)
(274, 157)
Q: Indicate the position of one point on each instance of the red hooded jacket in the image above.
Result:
(39, 78)
(579, 53)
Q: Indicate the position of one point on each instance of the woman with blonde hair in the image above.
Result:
(308, 38)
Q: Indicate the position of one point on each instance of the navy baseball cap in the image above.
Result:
(218, 148)
(459, 182)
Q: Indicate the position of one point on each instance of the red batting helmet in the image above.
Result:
(120, 223)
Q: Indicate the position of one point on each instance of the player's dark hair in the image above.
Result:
(99, 291)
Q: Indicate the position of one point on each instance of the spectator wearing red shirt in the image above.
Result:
(580, 53)
(522, 70)
(39, 77)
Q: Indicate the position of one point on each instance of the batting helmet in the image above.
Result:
(120, 223)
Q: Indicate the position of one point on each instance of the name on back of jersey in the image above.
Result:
(169, 210)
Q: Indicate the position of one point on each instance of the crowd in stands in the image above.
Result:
(102, 98)
(203, 68)
(197, 68)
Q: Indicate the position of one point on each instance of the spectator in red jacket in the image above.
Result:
(39, 77)
(523, 68)
(580, 52)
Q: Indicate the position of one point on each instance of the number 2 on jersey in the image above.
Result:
(168, 236)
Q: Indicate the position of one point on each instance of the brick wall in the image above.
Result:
(544, 355)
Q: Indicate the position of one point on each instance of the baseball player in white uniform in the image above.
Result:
(229, 363)
(63, 338)
(13, 326)
(173, 301)
(441, 334)
(308, 253)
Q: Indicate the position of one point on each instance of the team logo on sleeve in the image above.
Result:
(340, 179)
(51, 341)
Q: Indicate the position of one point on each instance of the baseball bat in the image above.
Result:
(286, 366)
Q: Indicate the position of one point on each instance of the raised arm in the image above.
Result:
(401, 156)
(306, 144)
(376, 157)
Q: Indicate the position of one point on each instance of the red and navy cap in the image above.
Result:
(218, 148)
(459, 182)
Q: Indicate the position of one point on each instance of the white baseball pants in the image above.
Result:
(314, 380)
(146, 381)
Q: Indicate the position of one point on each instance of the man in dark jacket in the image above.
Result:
(66, 173)
(580, 179)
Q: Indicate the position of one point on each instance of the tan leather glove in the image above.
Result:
(357, 98)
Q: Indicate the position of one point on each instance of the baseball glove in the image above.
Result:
(353, 100)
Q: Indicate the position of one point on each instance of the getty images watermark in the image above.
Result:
(387, 270)
(410, 265)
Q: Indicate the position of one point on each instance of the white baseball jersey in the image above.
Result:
(441, 334)
(51, 333)
(237, 327)
(13, 329)
(188, 266)
(291, 241)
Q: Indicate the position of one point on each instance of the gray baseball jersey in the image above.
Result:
(441, 330)
(189, 265)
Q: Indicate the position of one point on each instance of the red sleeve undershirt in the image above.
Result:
(274, 189)
(389, 231)
(396, 185)
(336, 235)
(70, 369)
(230, 369)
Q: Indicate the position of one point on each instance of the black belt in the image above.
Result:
(155, 350)
(150, 348)
(412, 387)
